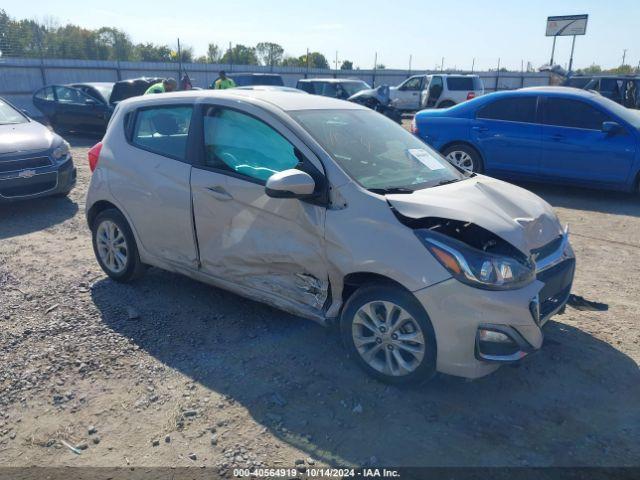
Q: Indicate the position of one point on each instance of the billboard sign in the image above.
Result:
(567, 25)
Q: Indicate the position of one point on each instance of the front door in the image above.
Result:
(274, 246)
(434, 92)
(408, 93)
(77, 110)
(509, 136)
(576, 149)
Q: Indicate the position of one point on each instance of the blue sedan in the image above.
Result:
(549, 134)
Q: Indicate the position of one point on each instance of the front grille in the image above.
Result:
(557, 286)
(546, 250)
(23, 164)
(21, 187)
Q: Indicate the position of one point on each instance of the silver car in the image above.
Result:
(329, 210)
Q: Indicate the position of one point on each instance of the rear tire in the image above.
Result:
(389, 335)
(115, 246)
(465, 157)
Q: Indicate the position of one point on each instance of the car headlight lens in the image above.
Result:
(475, 267)
(61, 151)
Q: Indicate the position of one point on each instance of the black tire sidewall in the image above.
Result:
(133, 259)
(406, 300)
(478, 165)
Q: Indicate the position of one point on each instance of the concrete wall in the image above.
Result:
(20, 77)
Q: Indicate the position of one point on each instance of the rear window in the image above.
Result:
(517, 109)
(460, 83)
(163, 130)
(306, 86)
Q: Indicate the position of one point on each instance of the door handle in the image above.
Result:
(479, 129)
(219, 193)
(557, 137)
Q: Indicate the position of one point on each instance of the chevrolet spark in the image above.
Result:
(330, 211)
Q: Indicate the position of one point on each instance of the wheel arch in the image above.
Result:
(352, 281)
(465, 143)
(100, 206)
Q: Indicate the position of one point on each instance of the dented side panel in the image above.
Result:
(270, 245)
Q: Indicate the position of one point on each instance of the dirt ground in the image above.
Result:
(203, 377)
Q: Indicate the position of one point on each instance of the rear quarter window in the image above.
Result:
(460, 83)
(163, 130)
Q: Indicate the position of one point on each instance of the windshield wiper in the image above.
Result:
(383, 191)
(447, 182)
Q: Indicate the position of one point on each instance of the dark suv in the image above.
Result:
(622, 89)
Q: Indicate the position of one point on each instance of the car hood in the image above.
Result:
(513, 213)
(24, 137)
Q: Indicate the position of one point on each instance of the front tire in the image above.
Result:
(465, 157)
(389, 335)
(115, 246)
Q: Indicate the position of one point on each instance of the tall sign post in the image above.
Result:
(564, 26)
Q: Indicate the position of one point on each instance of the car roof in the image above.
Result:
(331, 80)
(258, 74)
(92, 84)
(558, 90)
(286, 101)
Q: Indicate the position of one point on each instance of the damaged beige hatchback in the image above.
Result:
(330, 211)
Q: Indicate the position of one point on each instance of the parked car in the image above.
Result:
(435, 91)
(549, 134)
(330, 211)
(271, 88)
(624, 90)
(341, 88)
(246, 79)
(86, 107)
(34, 162)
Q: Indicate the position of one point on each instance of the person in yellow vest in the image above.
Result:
(223, 82)
(166, 85)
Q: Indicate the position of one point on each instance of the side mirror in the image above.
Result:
(291, 183)
(611, 128)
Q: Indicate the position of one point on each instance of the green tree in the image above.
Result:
(269, 53)
(240, 55)
(346, 65)
(113, 44)
(288, 61)
(148, 52)
(316, 60)
(214, 54)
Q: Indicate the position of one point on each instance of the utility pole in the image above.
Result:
(624, 55)
(179, 61)
(230, 58)
(498, 76)
(553, 51)
(336, 74)
(473, 64)
(375, 66)
(410, 58)
(442, 65)
(306, 75)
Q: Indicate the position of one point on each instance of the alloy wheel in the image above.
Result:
(388, 338)
(112, 246)
(461, 159)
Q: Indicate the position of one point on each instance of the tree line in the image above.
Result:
(47, 39)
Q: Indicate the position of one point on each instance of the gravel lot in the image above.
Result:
(171, 372)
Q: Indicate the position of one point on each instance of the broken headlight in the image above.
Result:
(475, 267)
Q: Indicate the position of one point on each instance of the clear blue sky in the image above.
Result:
(429, 30)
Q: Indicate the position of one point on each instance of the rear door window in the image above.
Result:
(163, 130)
(242, 144)
(564, 112)
(517, 109)
(460, 83)
(72, 96)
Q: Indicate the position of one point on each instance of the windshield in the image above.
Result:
(376, 152)
(9, 115)
(105, 91)
(627, 114)
(354, 87)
